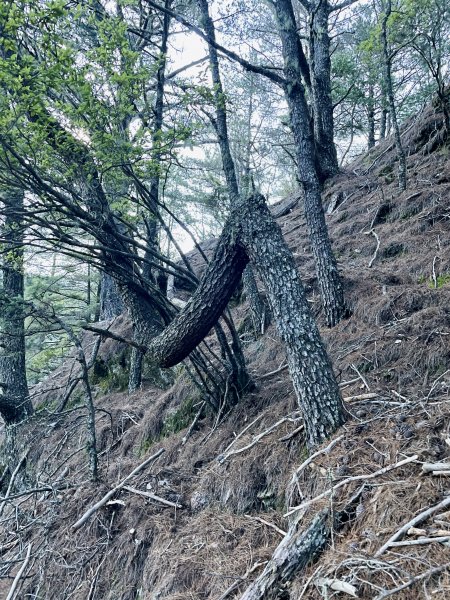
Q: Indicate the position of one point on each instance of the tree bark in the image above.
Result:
(371, 118)
(328, 277)
(111, 304)
(387, 75)
(251, 233)
(320, 68)
(15, 403)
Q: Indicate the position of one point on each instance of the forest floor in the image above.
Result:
(229, 485)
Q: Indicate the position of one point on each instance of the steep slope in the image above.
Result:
(235, 480)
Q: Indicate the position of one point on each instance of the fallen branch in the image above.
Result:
(331, 491)
(412, 581)
(223, 457)
(19, 574)
(420, 541)
(430, 467)
(412, 523)
(363, 379)
(236, 584)
(298, 549)
(268, 523)
(152, 497)
(279, 370)
(13, 478)
(368, 396)
(372, 260)
(88, 514)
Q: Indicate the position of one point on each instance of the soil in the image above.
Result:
(235, 480)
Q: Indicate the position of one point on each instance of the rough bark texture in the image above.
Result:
(298, 549)
(320, 62)
(15, 403)
(206, 305)
(329, 281)
(312, 375)
(295, 552)
(111, 304)
(258, 310)
(251, 233)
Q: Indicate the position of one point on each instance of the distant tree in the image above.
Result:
(15, 403)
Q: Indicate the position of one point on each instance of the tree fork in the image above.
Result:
(252, 234)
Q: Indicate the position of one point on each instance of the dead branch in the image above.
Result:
(412, 581)
(363, 379)
(372, 260)
(223, 457)
(193, 424)
(298, 548)
(15, 583)
(279, 370)
(88, 514)
(412, 523)
(331, 491)
(13, 477)
(421, 541)
(235, 585)
(430, 467)
(268, 523)
(152, 497)
(105, 333)
(368, 396)
(309, 460)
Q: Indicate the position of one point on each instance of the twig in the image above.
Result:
(193, 424)
(19, 574)
(412, 581)
(368, 396)
(267, 375)
(430, 467)
(326, 493)
(309, 460)
(363, 379)
(412, 523)
(234, 585)
(374, 233)
(13, 477)
(289, 436)
(268, 523)
(246, 428)
(421, 541)
(152, 497)
(434, 272)
(223, 457)
(87, 515)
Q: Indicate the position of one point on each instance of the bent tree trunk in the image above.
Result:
(252, 234)
(15, 403)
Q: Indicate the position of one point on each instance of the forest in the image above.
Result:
(224, 299)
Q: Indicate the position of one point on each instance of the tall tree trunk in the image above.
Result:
(387, 76)
(320, 69)
(152, 229)
(370, 118)
(330, 284)
(111, 304)
(15, 403)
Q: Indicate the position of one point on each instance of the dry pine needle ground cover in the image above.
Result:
(203, 518)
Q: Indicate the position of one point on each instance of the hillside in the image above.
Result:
(223, 489)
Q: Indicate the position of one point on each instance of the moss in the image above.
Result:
(441, 280)
(181, 418)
